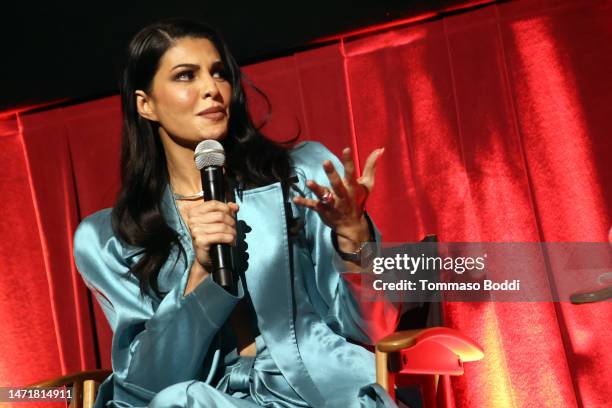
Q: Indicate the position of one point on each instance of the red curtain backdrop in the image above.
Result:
(497, 127)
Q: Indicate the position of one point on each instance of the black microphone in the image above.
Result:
(209, 159)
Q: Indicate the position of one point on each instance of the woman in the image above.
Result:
(179, 339)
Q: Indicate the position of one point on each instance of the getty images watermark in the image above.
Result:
(510, 272)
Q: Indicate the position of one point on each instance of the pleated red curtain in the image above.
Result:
(496, 128)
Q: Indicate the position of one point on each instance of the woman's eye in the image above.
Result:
(219, 74)
(184, 76)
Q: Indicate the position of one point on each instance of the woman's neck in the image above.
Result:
(184, 176)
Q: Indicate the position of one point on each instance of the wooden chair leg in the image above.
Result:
(381, 369)
(77, 391)
(428, 389)
(90, 387)
(445, 392)
(384, 378)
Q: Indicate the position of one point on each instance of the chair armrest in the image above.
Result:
(96, 375)
(84, 386)
(398, 341)
(458, 343)
(433, 351)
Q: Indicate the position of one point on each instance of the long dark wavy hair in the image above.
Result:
(251, 159)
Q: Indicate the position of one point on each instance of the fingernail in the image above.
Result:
(381, 151)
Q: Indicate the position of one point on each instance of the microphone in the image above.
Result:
(209, 159)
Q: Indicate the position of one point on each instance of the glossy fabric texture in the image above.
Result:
(304, 310)
(496, 123)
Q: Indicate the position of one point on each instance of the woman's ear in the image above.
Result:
(145, 106)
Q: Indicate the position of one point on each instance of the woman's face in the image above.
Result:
(190, 95)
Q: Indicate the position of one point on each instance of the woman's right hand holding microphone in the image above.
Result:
(209, 222)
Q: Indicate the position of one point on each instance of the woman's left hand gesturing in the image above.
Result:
(342, 207)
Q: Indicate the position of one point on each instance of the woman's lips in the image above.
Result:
(217, 115)
(213, 113)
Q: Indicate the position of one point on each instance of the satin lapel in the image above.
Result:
(171, 212)
(175, 267)
(269, 282)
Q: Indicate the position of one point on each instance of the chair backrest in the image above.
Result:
(420, 315)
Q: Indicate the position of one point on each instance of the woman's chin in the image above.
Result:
(219, 137)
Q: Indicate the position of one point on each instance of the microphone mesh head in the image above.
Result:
(209, 153)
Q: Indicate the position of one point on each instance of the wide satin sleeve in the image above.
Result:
(155, 343)
(340, 296)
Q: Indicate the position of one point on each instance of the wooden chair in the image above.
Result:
(84, 386)
(424, 358)
(421, 354)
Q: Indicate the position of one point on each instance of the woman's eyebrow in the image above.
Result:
(192, 66)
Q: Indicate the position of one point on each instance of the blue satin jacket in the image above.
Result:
(304, 310)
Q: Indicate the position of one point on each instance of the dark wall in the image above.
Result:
(53, 52)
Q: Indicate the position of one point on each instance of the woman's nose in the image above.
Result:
(209, 88)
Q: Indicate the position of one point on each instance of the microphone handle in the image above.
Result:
(220, 254)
